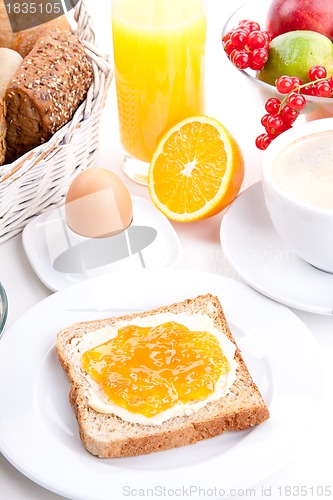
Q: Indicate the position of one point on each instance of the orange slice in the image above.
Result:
(196, 171)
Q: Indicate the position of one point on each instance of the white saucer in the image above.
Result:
(61, 258)
(263, 260)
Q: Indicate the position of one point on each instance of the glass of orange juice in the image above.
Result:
(159, 49)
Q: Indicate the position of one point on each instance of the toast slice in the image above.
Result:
(107, 435)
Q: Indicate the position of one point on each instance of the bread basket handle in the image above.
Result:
(84, 27)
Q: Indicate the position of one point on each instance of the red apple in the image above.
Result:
(291, 15)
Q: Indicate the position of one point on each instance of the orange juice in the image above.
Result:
(159, 50)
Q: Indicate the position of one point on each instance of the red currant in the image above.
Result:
(244, 27)
(238, 39)
(317, 72)
(228, 47)
(255, 66)
(308, 90)
(252, 25)
(240, 58)
(323, 89)
(258, 59)
(256, 40)
(267, 140)
(267, 36)
(248, 38)
(264, 120)
(272, 106)
(263, 141)
(275, 125)
(297, 81)
(227, 36)
(296, 101)
(282, 114)
(289, 114)
(259, 141)
(284, 84)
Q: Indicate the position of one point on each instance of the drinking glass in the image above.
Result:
(159, 49)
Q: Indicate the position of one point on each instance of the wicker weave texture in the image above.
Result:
(40, 179)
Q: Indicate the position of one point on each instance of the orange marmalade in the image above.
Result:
(148, 370)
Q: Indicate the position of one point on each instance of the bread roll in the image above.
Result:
(45, 92)
(9, 62)
(2, 132)
(23, 41)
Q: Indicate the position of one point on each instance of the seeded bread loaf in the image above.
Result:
(45, 91)
(107, 435)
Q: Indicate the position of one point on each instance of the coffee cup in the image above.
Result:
(297, 177)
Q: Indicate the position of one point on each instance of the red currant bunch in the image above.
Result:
(320, 85)
(247, 45)
(281, 115)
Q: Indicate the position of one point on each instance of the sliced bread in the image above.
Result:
(107, 435)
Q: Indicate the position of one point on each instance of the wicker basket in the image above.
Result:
(40, 179)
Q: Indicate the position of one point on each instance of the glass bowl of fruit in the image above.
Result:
(283, 49)
(3, 308)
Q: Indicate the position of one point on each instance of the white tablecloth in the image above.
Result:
(237, 107)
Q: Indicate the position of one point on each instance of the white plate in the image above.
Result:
(253, 247)
(61, 258)
(38, 429)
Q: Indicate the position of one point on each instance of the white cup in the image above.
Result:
(305, 227)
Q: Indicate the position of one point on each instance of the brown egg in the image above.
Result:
(98, 204)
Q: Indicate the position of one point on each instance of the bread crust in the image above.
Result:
(24, 41)
(109, 436)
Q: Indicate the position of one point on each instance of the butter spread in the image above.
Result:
(98, 400)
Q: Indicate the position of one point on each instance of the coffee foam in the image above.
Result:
(304, 170)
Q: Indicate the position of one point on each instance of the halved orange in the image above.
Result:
(196, 170)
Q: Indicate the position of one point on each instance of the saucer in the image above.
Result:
(61, 258)
(255, 250)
